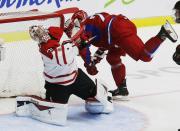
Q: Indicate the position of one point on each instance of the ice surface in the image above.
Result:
(123, 119)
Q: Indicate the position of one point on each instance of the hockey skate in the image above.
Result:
(121, 93)
(167, 31)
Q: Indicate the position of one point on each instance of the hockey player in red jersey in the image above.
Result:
(117, 35)
(62, 79)
(176, 55)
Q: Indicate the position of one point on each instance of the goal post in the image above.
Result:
(21, 72)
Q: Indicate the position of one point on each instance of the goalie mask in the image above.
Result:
(177, 12)
(39, 33)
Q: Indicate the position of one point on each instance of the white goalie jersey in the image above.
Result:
(59, 62)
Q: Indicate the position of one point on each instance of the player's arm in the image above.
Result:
(85, 54)
(88, 64)
(55, 33)
(96, 58)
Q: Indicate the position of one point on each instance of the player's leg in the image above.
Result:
(126, 37)
(152, 44)
(118, 70)
(57, 93)
(137, 50)
(42, 110)
(86, 89)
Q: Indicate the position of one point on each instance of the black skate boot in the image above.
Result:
(121, 93)
(167, 31)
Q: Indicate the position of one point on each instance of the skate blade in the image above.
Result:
(120, 98)
(172, 33)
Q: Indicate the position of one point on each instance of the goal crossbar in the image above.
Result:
(32, 15)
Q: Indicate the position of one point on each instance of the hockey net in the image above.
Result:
(21, 70)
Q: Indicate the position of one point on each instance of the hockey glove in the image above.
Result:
(176, 55)
(91, 69)
(98, 56)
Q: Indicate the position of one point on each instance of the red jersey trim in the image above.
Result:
(68, 81)
(63, 54)
(51, 77)
(56, 55)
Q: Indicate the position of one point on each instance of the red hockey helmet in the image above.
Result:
(80, 15)
(73, 26)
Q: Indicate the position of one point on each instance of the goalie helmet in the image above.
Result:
(177, 12)
(39, 33)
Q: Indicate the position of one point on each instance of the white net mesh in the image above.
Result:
(21, 71)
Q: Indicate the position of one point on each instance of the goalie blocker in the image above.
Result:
(56, 113)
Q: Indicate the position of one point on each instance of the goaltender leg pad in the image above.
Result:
(48, 112)
(23, 106)
(96, 107)
(103, 97)
(101, 92)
